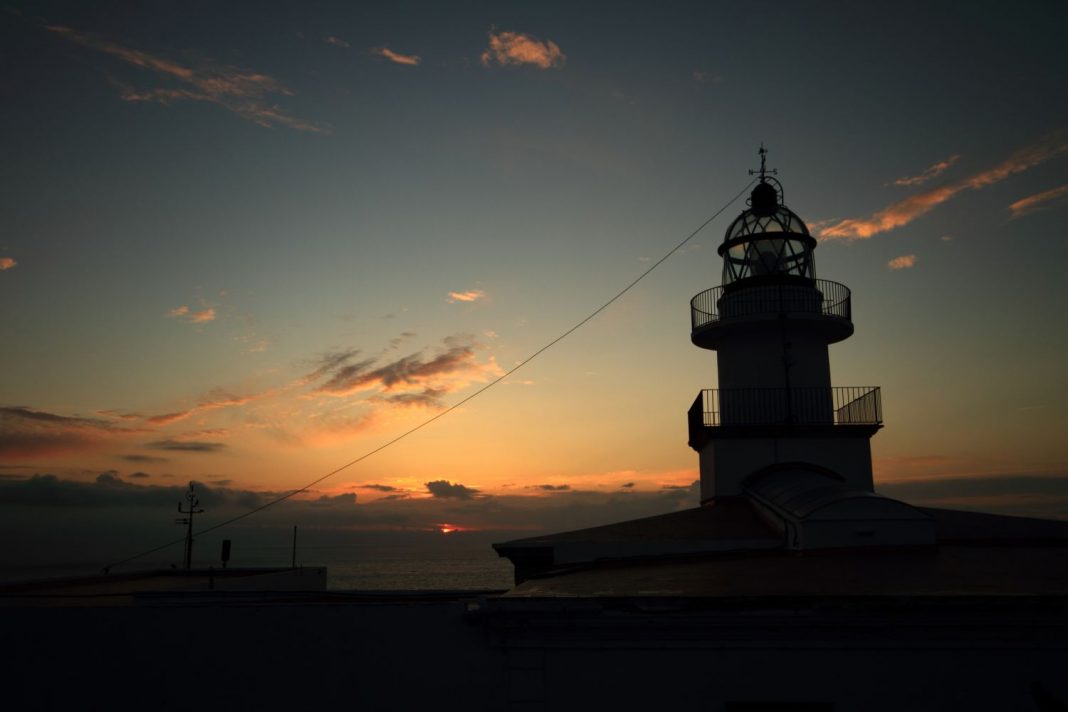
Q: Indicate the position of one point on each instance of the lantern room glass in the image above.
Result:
(777, 243)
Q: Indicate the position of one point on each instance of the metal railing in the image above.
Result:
(826, 298)
(840, 405)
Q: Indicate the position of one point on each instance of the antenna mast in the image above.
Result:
(194, 504)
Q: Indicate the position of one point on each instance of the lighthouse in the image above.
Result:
(771, 323)
(784, 455)
(776, 430)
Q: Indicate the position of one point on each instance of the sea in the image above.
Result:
(420, 563)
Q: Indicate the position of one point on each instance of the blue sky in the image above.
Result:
(205, 205)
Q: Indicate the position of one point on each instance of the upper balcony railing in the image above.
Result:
(747, 407)
(824, 298)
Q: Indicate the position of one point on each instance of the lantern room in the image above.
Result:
(768, 240)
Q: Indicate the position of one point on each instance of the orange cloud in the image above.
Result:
(932, 172)
(471, 295)
(186, 314)
(903, 262)
(905, 211)
(894, 216)
(336, 41)
(240, 91)
(213, 400)
(7, 263)
(411, 60)
(203, 316)
(514, 48)
(1040, 201)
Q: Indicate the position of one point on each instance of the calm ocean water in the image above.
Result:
(416, 564)
(401, 568)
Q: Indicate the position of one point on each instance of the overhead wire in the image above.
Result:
(454, 406)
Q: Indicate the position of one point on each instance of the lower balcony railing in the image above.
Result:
(841, 405)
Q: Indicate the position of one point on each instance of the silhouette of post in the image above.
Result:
(194, 503)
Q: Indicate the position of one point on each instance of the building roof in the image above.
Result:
(976, 555)
(728, 524)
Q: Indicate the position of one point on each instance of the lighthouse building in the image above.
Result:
(776, 430)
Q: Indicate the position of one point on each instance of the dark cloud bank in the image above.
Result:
(61, 520)
(56, 520)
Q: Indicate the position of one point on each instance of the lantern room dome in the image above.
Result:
(767, 240)
(766, 214)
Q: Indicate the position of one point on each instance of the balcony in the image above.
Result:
(783, 410)
(824, 303)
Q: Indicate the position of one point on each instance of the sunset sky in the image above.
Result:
(246, 243)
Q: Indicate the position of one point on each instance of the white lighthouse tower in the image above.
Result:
(776, 430)
(785, 457)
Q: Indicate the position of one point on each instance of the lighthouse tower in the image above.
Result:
(785, 456)
(771, 323)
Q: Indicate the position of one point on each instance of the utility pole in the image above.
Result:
(194, 504)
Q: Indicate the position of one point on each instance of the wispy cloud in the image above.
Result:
(1040, 201)
(932, 171)
(380, 488)
(193, 317)
(902, 262)
(329, 361)
(707, 77)
(471, 295)
(25, 432)
(243, 92)
(415, 379)
(213, 400)
(336, 41)
(516, 48)
(905, 211)
(7, 263)
(411, 60)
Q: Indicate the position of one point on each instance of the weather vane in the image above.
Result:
(763, 164)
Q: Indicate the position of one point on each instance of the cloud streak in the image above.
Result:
(187, 446)
(242, 92)
(1040, 201)
(213, 400)
(409, 60)
(515, 48)
(415, 379)
(7, 263)
(25, 432)
(471, 295)
(931, 172)
(905, 211)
